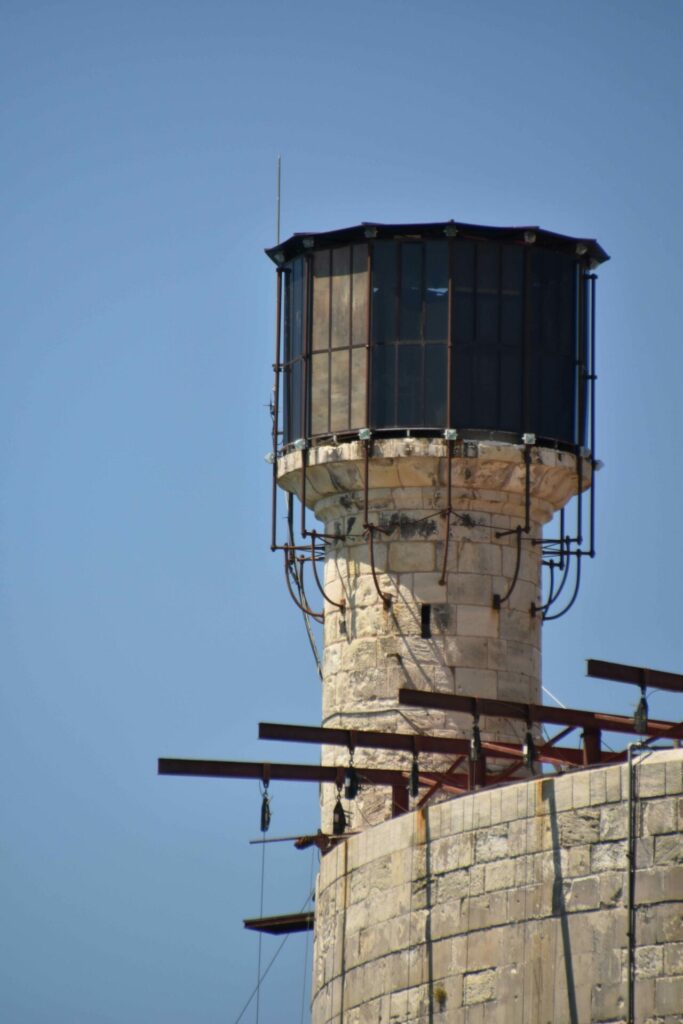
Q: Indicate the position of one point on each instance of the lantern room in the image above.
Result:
(435, 327)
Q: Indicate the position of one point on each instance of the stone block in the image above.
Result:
(597, 784)
(649, 961)
(607, 1002)
(492, 843)
(485, 911)
(581, 793)
(673, 958)
(477, 621)
(609, 857)
(484, 949)
(469, 588)
(452, 853)
(611, 888)
(482, 559)
(576, 861)
(654, 885)
(426, 588)
(479, 682)
(500, 875)
(669, 995)
(614, 822)
(613, 784)
(650, 780)
(466, 652)
(668, 849)
(659, 816)
(580, 826)
(674, 776)
(407, 556)
(479, 987)
(581, 894)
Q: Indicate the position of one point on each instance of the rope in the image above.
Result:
(303, 987)
(260, 934)
(270, 964)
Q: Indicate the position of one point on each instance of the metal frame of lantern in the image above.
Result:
(559, 553)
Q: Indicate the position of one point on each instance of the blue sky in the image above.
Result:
(141, 611)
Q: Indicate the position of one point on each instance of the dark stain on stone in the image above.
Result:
(441, 614)
(408, 527)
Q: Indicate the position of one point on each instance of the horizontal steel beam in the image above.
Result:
(536, 713)
(648, 677)
(410, 742)
(283, 924)
(265, 772)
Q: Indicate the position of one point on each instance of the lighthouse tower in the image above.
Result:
(433, 412)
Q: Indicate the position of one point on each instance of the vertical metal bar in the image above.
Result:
(591, 746)
(582, 381)
(630, 889)
(277, 199)
(304, 418)
(593, 378)
(527, 355)
(368, 340)
(276, 406)
(449, 413)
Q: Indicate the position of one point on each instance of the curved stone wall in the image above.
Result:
(508, 906)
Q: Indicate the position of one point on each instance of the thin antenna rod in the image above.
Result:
(277, 200)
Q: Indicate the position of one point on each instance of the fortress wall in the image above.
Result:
(508, 906)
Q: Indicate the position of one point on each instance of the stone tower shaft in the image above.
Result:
(416, 575)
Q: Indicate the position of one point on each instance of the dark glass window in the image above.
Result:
(409, 284)
(488, 336)
(293, 411)
(552, 331)
(514, 326)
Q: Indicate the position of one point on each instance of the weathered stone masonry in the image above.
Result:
(372, 650)
(508, 906)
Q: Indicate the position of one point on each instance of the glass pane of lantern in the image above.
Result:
(511, 385)
(463, 386)
(341, 297)
(383, 373)
(463, 288)
(435, 385)
(320, 393)
(488, 261)
(359, 359)
(488, 256)
(294, 417)
(359, 311)
(552, 339)
(436, 291)
(384, 292)
(485, 413)
(409, 412)
(339, 390)
(320, 337)
(411, 292)
(296, 308)
(512, 297)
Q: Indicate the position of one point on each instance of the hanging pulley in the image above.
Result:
(338, 816)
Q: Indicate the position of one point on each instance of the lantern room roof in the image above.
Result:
(305, 241)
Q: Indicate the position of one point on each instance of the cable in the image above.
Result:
(272, 961)
(303, 987)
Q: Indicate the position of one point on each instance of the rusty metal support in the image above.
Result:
(648, 677)
(537, 713)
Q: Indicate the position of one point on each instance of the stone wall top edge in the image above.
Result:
(530, 798)
(430, 448)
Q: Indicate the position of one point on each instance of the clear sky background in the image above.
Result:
(142, 613)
